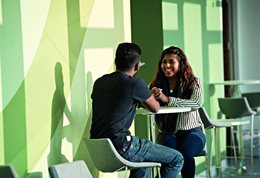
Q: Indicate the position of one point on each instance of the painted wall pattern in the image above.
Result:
(51, 52)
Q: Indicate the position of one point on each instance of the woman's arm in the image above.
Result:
(195, 100)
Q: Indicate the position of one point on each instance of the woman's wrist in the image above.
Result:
(165, 99)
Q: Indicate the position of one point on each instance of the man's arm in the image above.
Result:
(151, 104)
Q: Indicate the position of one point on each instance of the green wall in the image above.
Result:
(193, 25)
(52, 51)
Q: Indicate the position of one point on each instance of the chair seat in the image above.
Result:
(203, 153)
(103, 149)
(231, 122)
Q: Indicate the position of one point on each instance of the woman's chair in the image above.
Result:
(106, 158)
(77, 169)
(207, 166)
(237, 108)
(216, 125)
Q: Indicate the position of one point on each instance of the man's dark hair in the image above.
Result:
(127, 56)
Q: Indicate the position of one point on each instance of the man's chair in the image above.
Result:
(238, 108)
(216, 125)
(106, 158)
(8, 171)
(77, 169)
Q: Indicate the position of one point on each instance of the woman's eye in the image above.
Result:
(170, 62)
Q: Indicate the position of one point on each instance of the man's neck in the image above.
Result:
(131, 72)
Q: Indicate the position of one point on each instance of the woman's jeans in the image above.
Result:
(142, 150)
(189, 143)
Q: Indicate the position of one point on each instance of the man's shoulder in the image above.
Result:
(104, 77)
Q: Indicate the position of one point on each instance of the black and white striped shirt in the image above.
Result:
(189, 120)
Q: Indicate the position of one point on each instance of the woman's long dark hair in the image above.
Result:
(185, 76)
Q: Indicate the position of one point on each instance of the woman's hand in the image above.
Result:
(156, 92)
(159, 95)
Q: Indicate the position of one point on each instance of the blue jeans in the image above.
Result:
(142, 150)
(189, 143)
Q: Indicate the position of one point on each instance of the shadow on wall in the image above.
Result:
(59, 132)
(82, 152)
(59, 107)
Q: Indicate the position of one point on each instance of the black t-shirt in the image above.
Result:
(114, 100)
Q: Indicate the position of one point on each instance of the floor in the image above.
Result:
(230, 169)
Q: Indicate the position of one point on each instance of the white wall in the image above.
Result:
(246, 34)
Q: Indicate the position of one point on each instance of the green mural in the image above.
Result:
(52, 51)
(13, 89)
(49, 61)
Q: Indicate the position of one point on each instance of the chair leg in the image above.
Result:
(126, 171)
(158, 172)
(252, 140)
(208, 174)
(233, 143)
(242, 168)
(218, 153)
(217, 148)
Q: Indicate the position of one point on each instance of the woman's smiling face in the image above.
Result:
(170, 65)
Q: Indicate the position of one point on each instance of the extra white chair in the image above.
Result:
(253, 99)
(106, 158)
(238, 108)
(75, 169)
(8, 171)
(216, 125)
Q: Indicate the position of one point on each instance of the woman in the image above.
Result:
(174, 84)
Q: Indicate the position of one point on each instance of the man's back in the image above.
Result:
(115, 97)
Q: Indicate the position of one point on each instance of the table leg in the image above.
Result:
(151, 126)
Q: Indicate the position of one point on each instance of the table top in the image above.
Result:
(164, 110)
(236, 82)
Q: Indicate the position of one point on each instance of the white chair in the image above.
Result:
(238, 108)
(75, 169)
(253, 99)
(216, 125)
(8, 171)
(106, 158)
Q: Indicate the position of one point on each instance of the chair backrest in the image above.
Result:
(77, 169)
(235, 107)
(102, 150)
(205, 118)
(253, 99)
(8, 171)
(106, 158)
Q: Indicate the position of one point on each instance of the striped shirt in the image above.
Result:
(189, 120)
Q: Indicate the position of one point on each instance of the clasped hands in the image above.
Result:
(159, 95)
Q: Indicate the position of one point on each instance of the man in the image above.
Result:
(115, 97)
